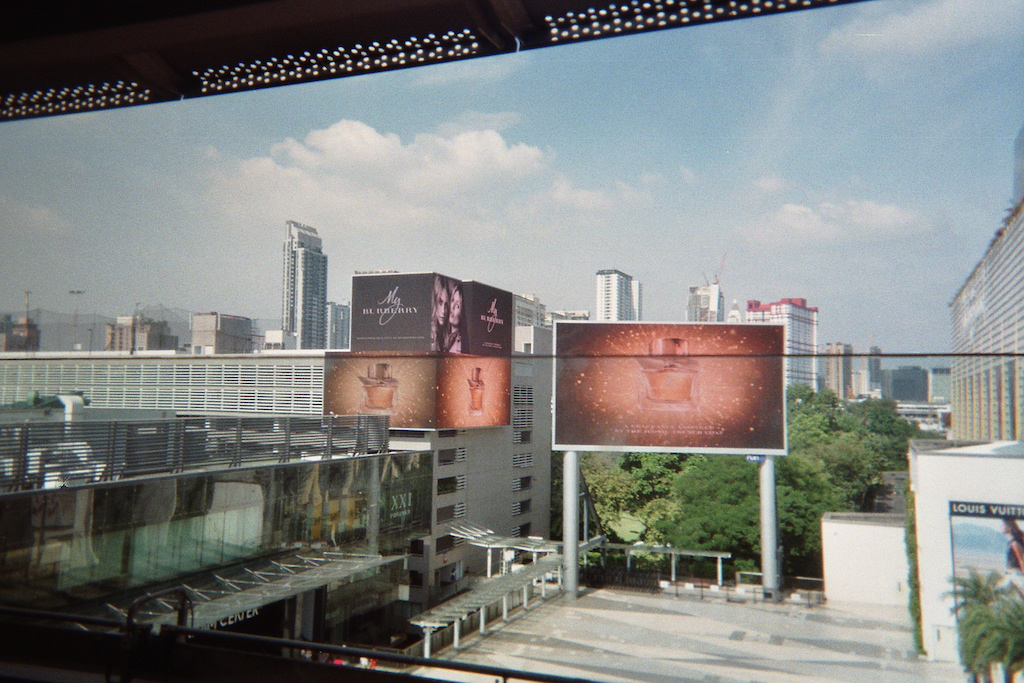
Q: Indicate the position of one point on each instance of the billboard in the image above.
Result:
(420, 391)
(490, 323)
(426, 312)
(394, 312)
(670, 387)
(987, 537)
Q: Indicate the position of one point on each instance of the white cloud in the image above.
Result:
(26, 219)
(931, 27)
(767, 186)
(834, 223)
(354, 178)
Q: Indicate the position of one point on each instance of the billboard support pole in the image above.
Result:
(570, 523)
(770, 583)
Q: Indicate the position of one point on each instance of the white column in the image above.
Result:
(769, 530)
(426, 642)
(458, 632)
(571, 523)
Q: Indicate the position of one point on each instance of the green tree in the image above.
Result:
(612, 490)
(653, 474)
(990, 624)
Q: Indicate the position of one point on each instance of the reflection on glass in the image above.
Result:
(59, 547)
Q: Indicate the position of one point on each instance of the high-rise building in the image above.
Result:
(339, 325)
(706, 304)
(619, 296)
(1018, 171)
(304, 287)
(137, 333)
(839, 369)
(20, 335)
(801, 323)
(874, 363)
(987, 394)
(528, 310)
(552, 316)
(906, 384)
(221, 333)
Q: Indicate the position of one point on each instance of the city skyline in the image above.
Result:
(860, 157)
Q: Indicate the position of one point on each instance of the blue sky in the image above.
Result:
(860, 157)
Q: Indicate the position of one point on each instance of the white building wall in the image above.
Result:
(990, 473)
(865, 558)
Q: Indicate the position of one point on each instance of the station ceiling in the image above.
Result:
(65, 56)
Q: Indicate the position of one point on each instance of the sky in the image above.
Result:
(859, 157)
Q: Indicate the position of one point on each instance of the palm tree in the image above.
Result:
(990, 622)
(1008, 631)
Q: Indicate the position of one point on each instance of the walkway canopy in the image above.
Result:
(65, 56)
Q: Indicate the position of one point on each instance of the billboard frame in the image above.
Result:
(558, 367)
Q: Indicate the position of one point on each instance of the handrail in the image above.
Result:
(49, 455)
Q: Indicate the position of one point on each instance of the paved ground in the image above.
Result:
(609, 635)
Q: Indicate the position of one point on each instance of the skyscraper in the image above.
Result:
(619, 296)
(304, 287)
(339, 325)
(839, 369)
(801, 323)
(706, 304)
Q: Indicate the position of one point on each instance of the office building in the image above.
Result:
(619, 296)
(529, 310)
(839, 369)
(986, 388)
(339, 325)
(801, 323)
(905, 384)
(938, 385)
(304, 287)
(133, 333)
(706, 304)
(1018, 168)
(735, 315)
(551, 317)
(221, 333)
(20, 335)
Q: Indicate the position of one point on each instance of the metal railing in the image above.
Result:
(48, 455)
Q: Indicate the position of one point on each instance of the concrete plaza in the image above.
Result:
(613, 635)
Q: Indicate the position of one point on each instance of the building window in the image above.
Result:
(521, 507)
(451, 484)
(416, 547)
(522, 460)
(444, 544)
(415, 579)
(522, 436)
(522, 395)
(450, 456)
(445, 514)
(522, 483)
(521, 531)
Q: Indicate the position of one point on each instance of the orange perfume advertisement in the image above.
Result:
(670, 387)
(420, 391)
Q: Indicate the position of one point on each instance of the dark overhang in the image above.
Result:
(64, 56)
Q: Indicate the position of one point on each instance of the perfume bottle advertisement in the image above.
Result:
(400, 385)
(473, 391)
(711, 388)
